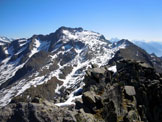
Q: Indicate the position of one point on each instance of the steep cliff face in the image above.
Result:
(128, 92)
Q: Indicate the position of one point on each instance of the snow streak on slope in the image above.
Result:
(8, 69)
(96, 50)
(35, 49)
(38, 46)
(4, 40)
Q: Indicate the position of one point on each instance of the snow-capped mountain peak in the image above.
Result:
(64, 55)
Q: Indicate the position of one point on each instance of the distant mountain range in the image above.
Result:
(150, 47)
(54, 67)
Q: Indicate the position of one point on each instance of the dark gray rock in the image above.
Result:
(89, 99)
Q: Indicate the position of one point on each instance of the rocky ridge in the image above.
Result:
(132, 94)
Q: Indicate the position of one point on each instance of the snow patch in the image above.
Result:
(71, 99)
(113, 69)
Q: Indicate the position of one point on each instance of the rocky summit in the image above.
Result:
(132, 94)
(76, 75)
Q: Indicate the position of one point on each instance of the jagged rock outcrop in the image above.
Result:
(131, 94)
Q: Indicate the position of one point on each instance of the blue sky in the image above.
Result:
(129, 19)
